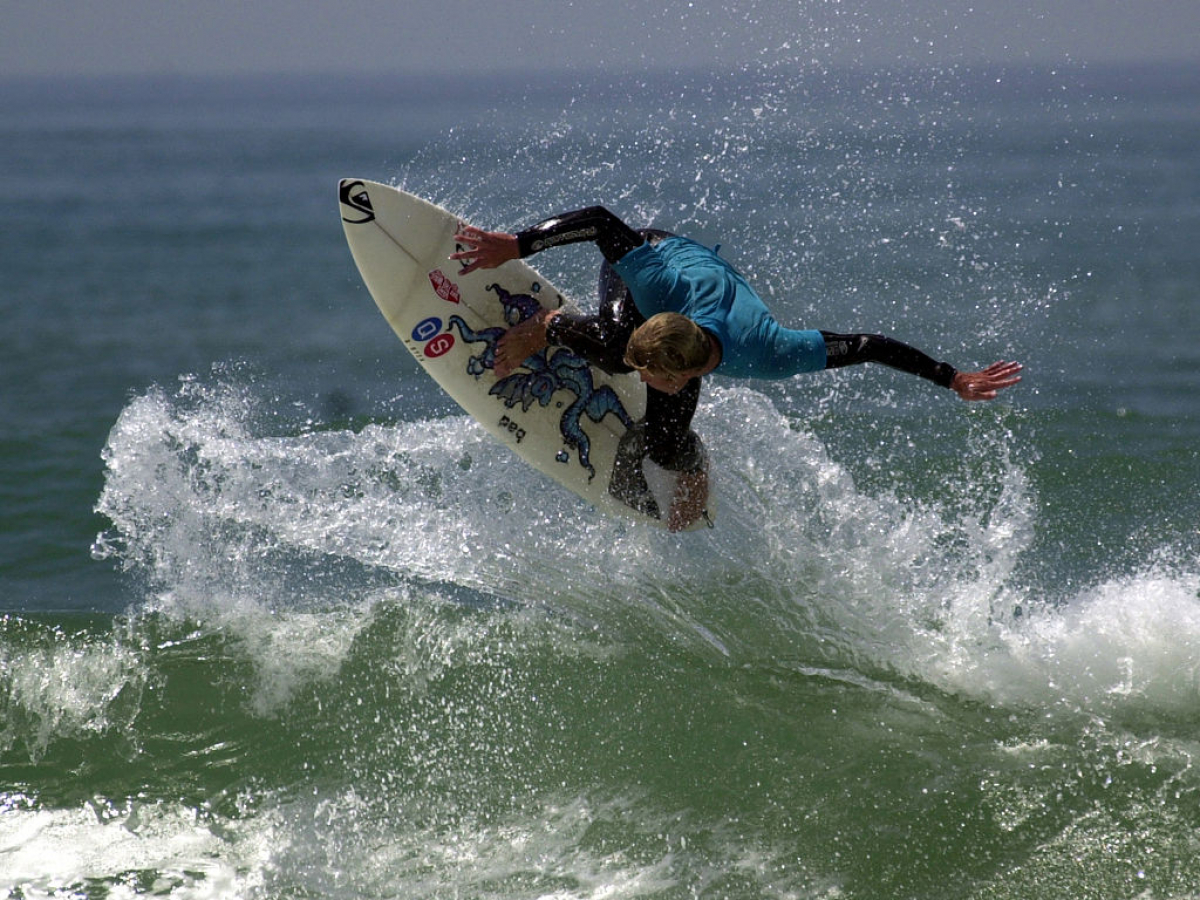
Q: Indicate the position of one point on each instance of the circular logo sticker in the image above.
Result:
(427, 328)
(439, 346)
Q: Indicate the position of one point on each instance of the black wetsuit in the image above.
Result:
(602, 338)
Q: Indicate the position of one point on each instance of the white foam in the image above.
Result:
(565, 848)
(930, 592)
(69, 688)
(1127, 644)
(803, 564)
(55, 853)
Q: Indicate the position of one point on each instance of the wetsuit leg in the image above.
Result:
(855, 349)
(663, 436)
(670, 441)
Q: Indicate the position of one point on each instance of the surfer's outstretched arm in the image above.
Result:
(855, 349)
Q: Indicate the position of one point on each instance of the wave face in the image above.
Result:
(390, 660)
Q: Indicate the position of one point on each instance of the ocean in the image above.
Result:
(279, 621)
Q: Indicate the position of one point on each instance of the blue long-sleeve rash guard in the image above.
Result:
(679, 275)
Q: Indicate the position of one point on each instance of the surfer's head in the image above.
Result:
(667, 350)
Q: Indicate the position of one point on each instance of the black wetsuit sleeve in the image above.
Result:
(592, 337)
(853, 349)
(594, 223)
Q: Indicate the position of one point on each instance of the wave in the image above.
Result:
(228, 519)
(391, 660)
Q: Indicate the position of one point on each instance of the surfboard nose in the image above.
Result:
(355, 201)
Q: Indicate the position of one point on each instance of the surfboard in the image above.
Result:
(569, 420)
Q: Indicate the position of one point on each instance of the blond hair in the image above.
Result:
(668, 343)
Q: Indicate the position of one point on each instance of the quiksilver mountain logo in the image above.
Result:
(356, 202)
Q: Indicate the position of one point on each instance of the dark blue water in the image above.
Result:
(278, 621)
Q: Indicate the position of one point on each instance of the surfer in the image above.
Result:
(674, 311)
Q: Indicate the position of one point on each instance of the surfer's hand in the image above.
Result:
(986, 384)
(522, 341)
(478, 249)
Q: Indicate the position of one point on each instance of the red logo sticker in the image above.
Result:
(439, 346)
(445, 288)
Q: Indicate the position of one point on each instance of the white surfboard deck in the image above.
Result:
(562, 416)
